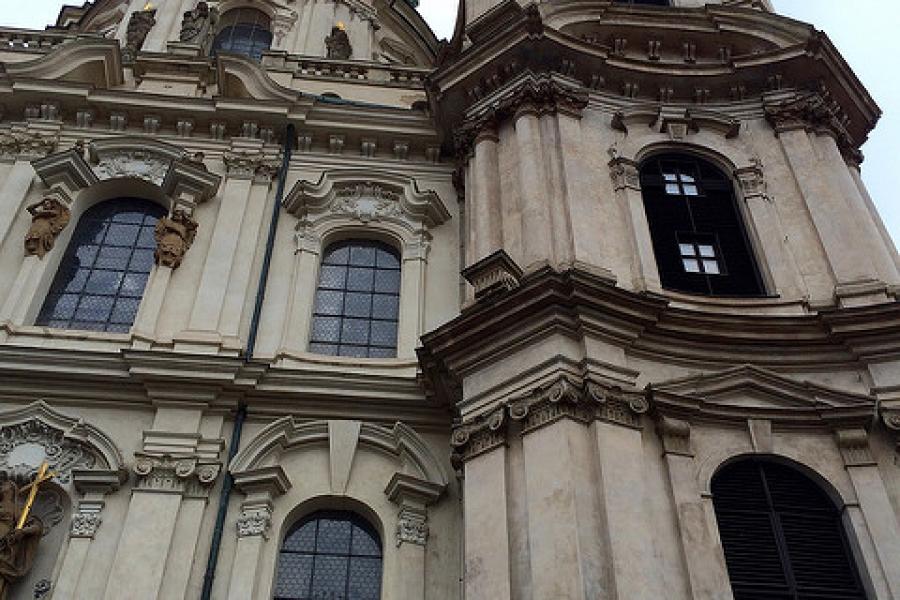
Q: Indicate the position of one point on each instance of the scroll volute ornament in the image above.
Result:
(174, 235)
(48, 218)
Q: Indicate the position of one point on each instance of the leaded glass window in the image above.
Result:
(104, 270)
(357, 306)
(244, 31)
(330, 555)
(784, 538)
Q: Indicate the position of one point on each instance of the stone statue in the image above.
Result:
(17, 546)
(48, 218)
(196, 24)
(174, 235)
(338, 44)
(139, 25)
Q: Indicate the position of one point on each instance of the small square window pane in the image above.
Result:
(360, 279)
(329, 302)
(122, 235)
(326, 349)
(302, 539)
(687, 178)
(333, 277)
(133, 284)
(63, 307)
(326, 329)
(87, 326)
(338, 256)
(294, 576)
(358, 305)
(364, 544)
(687, 249)
(141, 260)
(690, 190)
(354, 351)
(113, 257)
(387, 282)
(385, 306)
(355, 331)
(330, 577)
(86, 254)
(384, 333)
(103, 282)
(362, 256)
(76, 283)
(670, 176)
(334, 536)
(691, 265)
(707, 251)
(146, 238)
(672, 189)
(711, 267)
(125, 310)
(130, 217)
(94, 308)
(387, 260)
(93, 233)
(365, 579)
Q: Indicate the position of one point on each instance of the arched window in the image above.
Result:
(699, 238)
(330, 555)
(244, 31)
(783, 536)
(358, 300)
(102, 275)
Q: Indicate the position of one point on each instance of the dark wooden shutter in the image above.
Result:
(782, 535)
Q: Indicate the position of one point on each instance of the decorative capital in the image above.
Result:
(48, 218)
(168, 473)
(676, 436)
(854, 445)
(481, 435)
(254, 521)
(812, 112)
(85, 524)
(549, 404)
(174, 236)
(250, 165)
(493, 275)
(615, 405)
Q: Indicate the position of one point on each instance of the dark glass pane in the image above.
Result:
(102, 274)
(358, 305)
(359, 279)
(327, 349)
(294, 576)
(326, 329)
(339, 255)
(302, 539)
(147, 238)
(382, 352)
(388, 282)
(362, 256)
(354, 351)
(385, 307)
(355, 331)
(365, 543)
(329, 302)
(332, 277)
(384, 333)
(330, 577)
(388, 260)
(334, 536)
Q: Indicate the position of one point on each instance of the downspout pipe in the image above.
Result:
(241, 414)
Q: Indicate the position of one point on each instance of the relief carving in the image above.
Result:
(412, 527)
(254, 522)
(337, 44)
(135, 163)
(25, 143)
(139, 25)
(367, 202)
(48, 218)
(174, 236)
(19, 549)
(85, 525)
(244, 165)
(25, 445)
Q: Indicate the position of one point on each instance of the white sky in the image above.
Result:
(864, 31)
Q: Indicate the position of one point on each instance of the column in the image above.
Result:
(305, 278)
(413, 496)
(487, 228)
(702, 549)
(880, 518)
(16, 184)
(144, 329)
(875, 216)
(412, 297)
(557, 197)
(627, 184)
(536, 227)
(630, 536)
(486, 561)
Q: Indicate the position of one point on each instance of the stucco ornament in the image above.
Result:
(48, 218)
(367, 202)
(254, 523)
(85, 525)
(174, 235)
(135, 163)
(24, 446)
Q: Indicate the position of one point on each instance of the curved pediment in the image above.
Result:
(92, 61)
(240, 77)
(748, 391)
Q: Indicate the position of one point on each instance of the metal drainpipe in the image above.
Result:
(241, 415)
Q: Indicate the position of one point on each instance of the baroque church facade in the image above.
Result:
(587, 303)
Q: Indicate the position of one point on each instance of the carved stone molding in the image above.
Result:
(625, 174)
(174, 236)
(812, 112)
(549, 404)
(337, 45)
(534, 94)
(481, 435)
(413, 495)
(26, 144)
(676, 121)
(86, 521)
(493, 275)
(854, 445)
(169, 473)
(675, 435)
(753, 182)
(367, 201)
(139, 25)
(48, 218)
(254, 521)
(250, 165)
(412, 528)
(618, 406)
(891, 419)
(24, 446)
(142, 164)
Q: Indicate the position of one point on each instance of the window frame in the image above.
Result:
(235, 19)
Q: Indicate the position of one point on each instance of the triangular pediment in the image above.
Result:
(749, 391)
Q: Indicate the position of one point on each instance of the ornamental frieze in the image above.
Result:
(27, 144)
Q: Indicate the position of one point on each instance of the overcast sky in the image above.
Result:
(864, 31)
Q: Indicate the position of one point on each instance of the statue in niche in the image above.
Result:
(338, 44)
(174, 235)
(18, 544)
(196, 24)
(48, 218)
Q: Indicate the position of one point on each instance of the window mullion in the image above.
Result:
(778, 530)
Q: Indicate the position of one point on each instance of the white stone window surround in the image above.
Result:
(157, 172)
(365, 205)
(737, 161)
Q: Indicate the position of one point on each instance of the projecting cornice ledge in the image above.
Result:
(91, 60)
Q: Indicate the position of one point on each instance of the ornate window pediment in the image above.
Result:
(74, 450)
(753, 392)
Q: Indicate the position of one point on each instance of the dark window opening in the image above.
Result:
(698, 234)
(783, 536)
(357, 306)
(330, 554)
(102, 275)
(244, 31)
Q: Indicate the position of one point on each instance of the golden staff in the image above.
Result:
(43, 475)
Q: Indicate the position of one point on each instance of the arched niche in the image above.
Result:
(290, 468)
